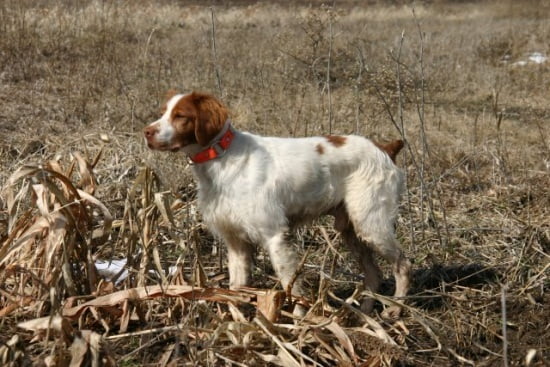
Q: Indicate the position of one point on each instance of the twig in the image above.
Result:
(323, 275)
(288, 289)
(330, 243)
(230, 361)
(148, 331)
(214, 52)
(290, 358)
(356, 88)
(146, 345)
(401, 128)
(425, 147)
(328, 74)
(504, 332)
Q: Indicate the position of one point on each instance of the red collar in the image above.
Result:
(216, 149)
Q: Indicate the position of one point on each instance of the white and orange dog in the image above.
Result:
(253, 189)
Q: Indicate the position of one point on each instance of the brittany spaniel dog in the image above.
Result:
(253, 189)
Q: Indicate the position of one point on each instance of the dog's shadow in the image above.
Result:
(429, 285)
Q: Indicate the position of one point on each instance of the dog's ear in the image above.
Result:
(211, 117)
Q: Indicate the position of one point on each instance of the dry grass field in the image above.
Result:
(466, 84)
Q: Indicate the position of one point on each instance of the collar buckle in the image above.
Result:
(218, 149)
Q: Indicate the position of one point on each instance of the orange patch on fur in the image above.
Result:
(319, 148)
(183, 108)
(336, 140)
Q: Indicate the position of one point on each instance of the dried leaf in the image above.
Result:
(54, 323)
(28, 236)
(166, 355)
(125, 317)
(87, 179)
(107, 217)
(236, 314)
(67, 202)
(56, 235)
(86, 350)
(143, 293)
(343, 339)
(55, 166)
(12, 306)
(13, 201)
(79, 349)
(12, 353)
(270, 358)
(286, 357)
(378, 330)
(20, 226)
(41, 199)
(164, 207)
(270, 304)
(25, 171)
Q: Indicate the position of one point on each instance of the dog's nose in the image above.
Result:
(149, 132)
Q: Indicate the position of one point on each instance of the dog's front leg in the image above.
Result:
(240, 258)
(285, 263)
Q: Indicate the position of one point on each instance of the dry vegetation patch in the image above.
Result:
(103, 256)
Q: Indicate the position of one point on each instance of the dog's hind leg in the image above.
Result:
(364, 254)
(392, 253)
(401, 267)
(384, 243)
(372, 208)
(367, 262)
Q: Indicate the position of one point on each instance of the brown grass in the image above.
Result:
(78, 81)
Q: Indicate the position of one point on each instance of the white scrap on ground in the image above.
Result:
(537, 58)
(532, 58)
(109, 269)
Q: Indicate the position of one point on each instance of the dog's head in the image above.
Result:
(188, 120)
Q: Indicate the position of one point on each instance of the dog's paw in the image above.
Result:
(367, 306)
(392, 312)
(299, 311)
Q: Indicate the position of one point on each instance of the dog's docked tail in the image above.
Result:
(392, 148)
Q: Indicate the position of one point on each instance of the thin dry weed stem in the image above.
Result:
(215, 53)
